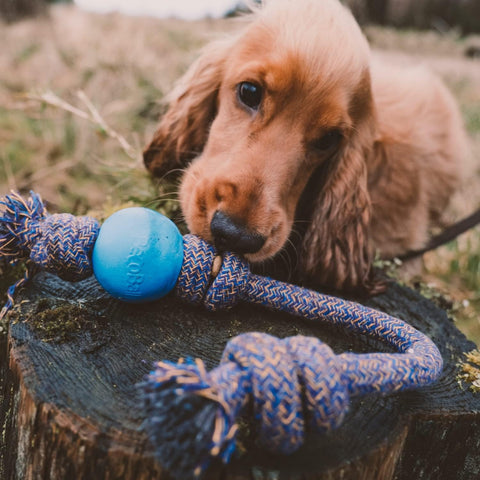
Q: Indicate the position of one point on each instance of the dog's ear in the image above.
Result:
(183, 130)
(336, 250)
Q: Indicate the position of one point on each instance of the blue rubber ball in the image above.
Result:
(138, 255)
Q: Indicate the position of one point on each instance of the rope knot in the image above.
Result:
(326, 393)
(65, 244)
(291, 383)
(61, 244)
(195, 280)
(286, 377)
(229, 285)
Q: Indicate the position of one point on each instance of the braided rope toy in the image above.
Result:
(293, 384)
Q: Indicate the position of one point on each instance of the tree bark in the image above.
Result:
(70, 409)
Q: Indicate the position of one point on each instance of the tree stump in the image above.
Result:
(70, 408)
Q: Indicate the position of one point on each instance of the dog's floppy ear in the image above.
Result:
(336, 249)
(183, 130)
(336, 252)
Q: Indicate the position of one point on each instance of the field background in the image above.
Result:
(80, 94)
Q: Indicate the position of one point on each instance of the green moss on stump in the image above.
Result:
(61, 321)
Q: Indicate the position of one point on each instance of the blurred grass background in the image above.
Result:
(123, 66)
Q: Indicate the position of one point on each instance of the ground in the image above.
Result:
(107, 76)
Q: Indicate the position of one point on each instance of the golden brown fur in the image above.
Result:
(390, 176)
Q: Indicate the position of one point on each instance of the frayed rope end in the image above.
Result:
(188, 421)
(16, 213)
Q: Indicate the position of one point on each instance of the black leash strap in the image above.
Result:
(449, 234)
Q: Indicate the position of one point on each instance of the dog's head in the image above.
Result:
(258, 114)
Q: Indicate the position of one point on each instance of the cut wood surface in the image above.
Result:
(69, 408)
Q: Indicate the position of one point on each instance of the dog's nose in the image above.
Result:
(232, 236)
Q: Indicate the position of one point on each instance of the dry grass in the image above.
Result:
(124, 66)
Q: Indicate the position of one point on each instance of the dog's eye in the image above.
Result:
(328, 141)
(250, 94)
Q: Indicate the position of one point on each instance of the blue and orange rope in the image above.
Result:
(295, 384)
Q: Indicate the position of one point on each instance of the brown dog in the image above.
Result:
(294, 105)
